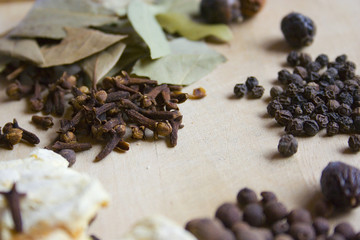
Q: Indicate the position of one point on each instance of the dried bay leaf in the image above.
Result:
(143, 21)
(188, 62)
(179, 23)
(77, 45)
(98, 65)
(23, 49)
(48, 18)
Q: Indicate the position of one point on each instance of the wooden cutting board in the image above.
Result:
(226, 144)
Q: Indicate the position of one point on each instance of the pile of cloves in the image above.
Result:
(267, 218)
(13, 134)
(118, 104)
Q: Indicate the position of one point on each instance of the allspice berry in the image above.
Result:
(299, 215)
(228, 214)
(208, 229)
(275, 211)
(302, 231)
(345, 229)
(251, 7)
(321, 226)
(254, 215)
(220, 11)
(246, 196)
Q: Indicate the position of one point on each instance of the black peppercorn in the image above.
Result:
(257, 92)
(295, 127)
(251, 82)
(280, 227)
(293, 58)
(322, 59)
(354, 142)
(287, 145)
(220, 11)
(240, 90)
(332, 129)
(298, 29)
(311, 128)
(340, 184)
(301, 71)
(283, 117)
(273, 106)
(304, 59)
(276, 91)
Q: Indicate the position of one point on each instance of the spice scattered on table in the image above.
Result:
(298, 30)
(318, 94)
(340, 185)
(115, 106)
(263, 219)
(251, 88)
(13, 134)
(288, 145)
(228, 11)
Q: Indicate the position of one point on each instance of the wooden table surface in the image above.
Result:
(226, 144)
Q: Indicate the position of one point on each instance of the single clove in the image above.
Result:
(26, 135)
(77, 147)
(43, 122)
(13, 198)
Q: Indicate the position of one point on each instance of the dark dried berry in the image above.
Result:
(276, 91)
(313, 67)
(345, 124)
(298, 29)
(273, 106)
(293, 58)
(251, 82)
(311, 128)
(228, 214)
(336, 236)
(275, 211)
(340, 184)
(304, 59)
(323, 60)
(254, 215)
(332, 129)
(321, 226)
(302, 231)
(246, 196)
(333, 105)
(296, 79)
(322, 120)
(295, 127)
(308, 107)
(280, 227)
(354, 142)
(240, 90)
(299, 215)
(268, 197)
(288, 145)
(220, 11)
(301, 71)
(341, 59)
(283, 117)
(284, 76)
(344, 110)
(345, 229)
(257, 92)
(205, 228)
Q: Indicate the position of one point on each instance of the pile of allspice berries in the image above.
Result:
(266, 218)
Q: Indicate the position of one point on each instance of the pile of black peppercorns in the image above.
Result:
(318, 94)
(251, 88)
(266, 219)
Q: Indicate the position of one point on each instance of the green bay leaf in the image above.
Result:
(188, 62)
(179, 23)
(99, 65)
(143, 21)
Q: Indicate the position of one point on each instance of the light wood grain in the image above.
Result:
(226, 144)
